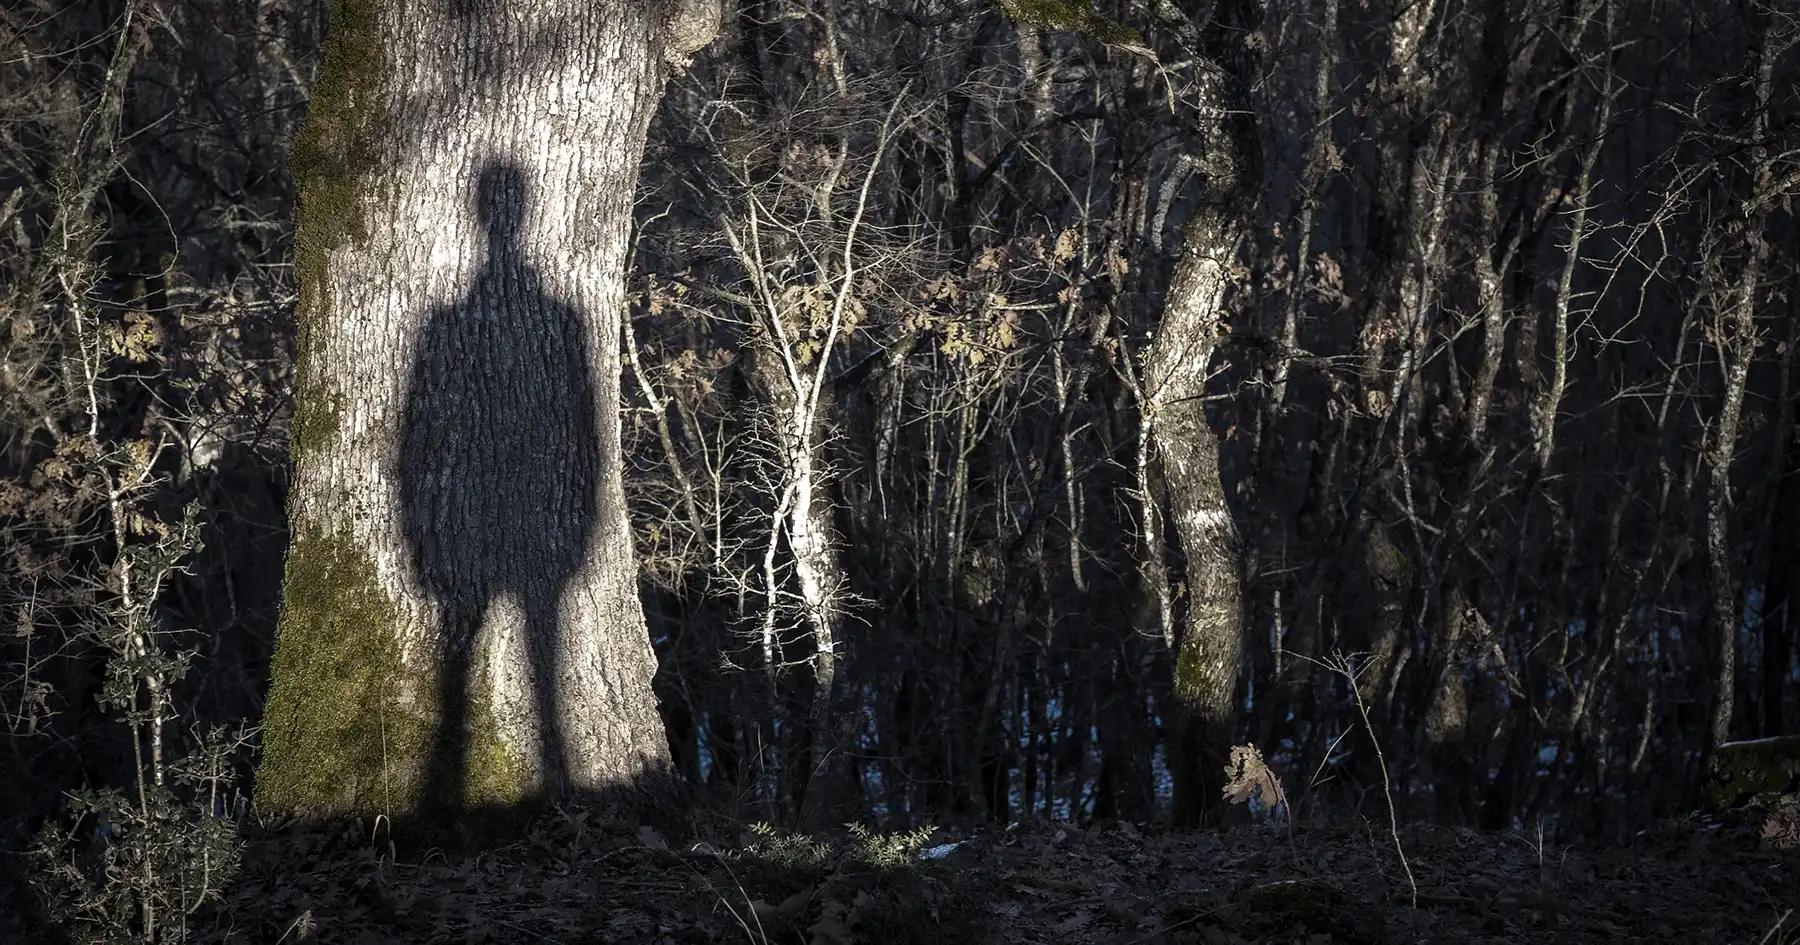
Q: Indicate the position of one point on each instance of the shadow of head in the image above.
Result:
(501, 193)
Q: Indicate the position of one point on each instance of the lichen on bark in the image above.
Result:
(318, 416)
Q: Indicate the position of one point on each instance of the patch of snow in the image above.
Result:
(940, 851)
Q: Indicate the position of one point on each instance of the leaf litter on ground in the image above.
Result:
(582, 877)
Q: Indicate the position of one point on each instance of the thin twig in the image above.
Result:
(1387, 787)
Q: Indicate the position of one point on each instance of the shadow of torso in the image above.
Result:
(499, 456)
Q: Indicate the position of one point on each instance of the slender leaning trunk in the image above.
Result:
(1209, 639)
(460, 622)
(1738, 341)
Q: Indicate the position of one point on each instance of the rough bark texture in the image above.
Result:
(1390, 589)
(1210, 637)
(461, 622)
(1446, 728)
(1194, 318)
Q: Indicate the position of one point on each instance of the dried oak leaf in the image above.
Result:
(1247, 775)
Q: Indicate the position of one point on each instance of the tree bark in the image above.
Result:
(461, 623)
(1210, 636)
(1738, 340)
(1209, 641)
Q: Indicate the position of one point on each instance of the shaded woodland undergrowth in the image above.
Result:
(580, 877)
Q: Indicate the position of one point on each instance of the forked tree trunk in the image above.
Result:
(461, 622)
(796, 424)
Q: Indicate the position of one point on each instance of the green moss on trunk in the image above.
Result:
(344, 728)
(1190, 678)
(1070, 16)
(1203, 729)
(496, 774)
(349, 726)
(333, 162)
(1742, 771)
(339, 147)
(318, 416)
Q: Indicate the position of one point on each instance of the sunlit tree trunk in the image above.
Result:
(461, 622)
(1209, 638)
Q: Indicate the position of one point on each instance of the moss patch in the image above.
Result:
(1743, 771)
(333, 161)
(318, 416)
(1070, 16)
(348, 726)
(494, 774)
(339, 146)
(1190, 676)
(336, 733)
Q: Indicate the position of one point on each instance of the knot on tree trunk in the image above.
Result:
(688, 27)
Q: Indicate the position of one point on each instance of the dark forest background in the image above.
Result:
(1505, 400)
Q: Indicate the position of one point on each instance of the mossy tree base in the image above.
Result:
(1742, 771)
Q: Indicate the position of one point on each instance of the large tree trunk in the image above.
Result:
(461, 623)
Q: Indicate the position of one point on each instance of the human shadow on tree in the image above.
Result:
(499, 460)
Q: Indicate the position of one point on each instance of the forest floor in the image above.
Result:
(579, 879)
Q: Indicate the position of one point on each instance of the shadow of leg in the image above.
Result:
(447, 771)
(545, 633)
